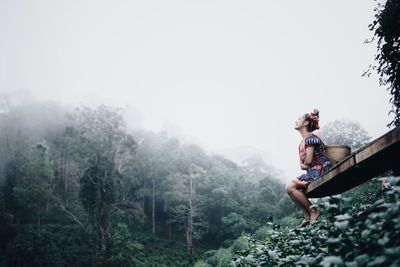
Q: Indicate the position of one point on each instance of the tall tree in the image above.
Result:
(187, 211)
(386, 27)
(105, 146)
(33, 191)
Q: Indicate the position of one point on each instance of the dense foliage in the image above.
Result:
(386, 27)
(365, 234)
(80, 189)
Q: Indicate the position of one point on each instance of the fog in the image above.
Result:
(231, 76)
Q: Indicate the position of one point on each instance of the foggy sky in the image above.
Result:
(226, 74)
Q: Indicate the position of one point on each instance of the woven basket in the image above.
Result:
(337, 153)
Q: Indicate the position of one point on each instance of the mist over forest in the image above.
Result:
(81, 172)
(164, 133)
(81, 188)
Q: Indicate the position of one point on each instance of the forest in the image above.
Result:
(79, 188)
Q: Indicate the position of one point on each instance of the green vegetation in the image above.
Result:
(365, 234)
(386, 28)
(80, 189)
(161, 252)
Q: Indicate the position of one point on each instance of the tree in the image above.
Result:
(104, 149)
(234, 224)
(97, 195)
(386, 27)
(152, 164)
(184, 203)
(33, 191)
(123, 247)
(344, 132)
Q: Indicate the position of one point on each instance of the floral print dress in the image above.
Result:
(320, 163)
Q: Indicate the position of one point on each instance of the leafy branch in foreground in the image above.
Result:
(386, 27)
(347, 237)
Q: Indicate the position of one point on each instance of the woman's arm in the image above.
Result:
(309, 155)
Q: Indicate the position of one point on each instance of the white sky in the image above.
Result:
(227, 73)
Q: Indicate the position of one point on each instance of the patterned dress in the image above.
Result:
(320, 163)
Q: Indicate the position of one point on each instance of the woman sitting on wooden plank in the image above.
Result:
(313, 160)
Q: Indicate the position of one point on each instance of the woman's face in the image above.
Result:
(300, 123)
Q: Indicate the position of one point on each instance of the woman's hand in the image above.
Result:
(304, 166)
(299, 183)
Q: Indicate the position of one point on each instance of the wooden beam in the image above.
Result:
(378, 145)
(379, 156)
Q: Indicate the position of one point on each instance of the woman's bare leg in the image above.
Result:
(300, 199)
(291, 189)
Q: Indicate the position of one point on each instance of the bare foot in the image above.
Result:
(314, 214)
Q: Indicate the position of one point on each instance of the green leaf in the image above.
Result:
(332, 260)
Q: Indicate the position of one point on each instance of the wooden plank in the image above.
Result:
(378, 145)
(336, 170)
(324, 185)
(380, 155)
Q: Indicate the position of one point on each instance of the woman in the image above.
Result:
(312, 159)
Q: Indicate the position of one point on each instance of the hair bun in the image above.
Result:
(315, 112)
(313, 119)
